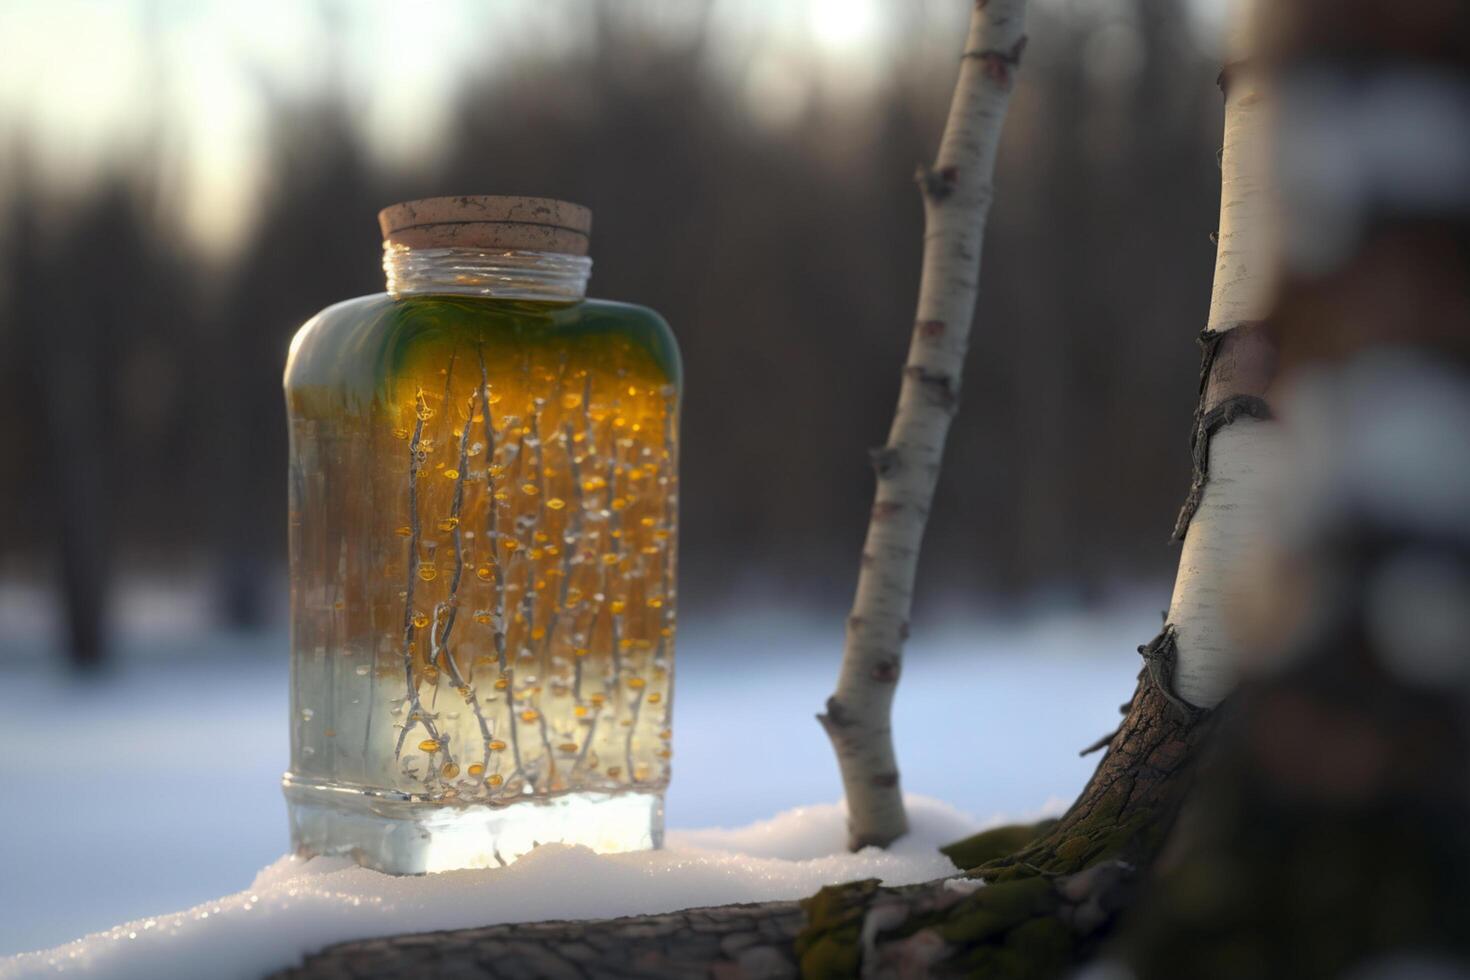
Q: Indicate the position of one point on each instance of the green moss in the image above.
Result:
(827, 947)
(1073, 849)
(995, 909)
(988, 845)
(1040, 947)
(1044, 944)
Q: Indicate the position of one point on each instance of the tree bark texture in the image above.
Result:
(957, 194)
(734, 941)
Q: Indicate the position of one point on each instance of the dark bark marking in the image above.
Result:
(930, 329)
(884, 509)
(886, 461)
(999, 66)
(1236, 369)
(942, 390)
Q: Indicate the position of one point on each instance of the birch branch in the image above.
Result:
(957, 194)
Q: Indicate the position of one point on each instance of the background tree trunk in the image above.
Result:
(957, 194)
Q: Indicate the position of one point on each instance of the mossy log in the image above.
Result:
(1029, 928)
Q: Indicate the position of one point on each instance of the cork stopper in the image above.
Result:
(538, 224)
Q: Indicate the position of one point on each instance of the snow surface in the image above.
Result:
(294, 906)
(158, 787)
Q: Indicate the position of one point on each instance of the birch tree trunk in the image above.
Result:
(1235, 444)
(1129, 803)
(957, 194)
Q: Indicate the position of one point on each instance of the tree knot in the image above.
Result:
(936, 185)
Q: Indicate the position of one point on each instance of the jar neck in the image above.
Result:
(494, 273)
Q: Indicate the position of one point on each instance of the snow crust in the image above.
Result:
(295, 906)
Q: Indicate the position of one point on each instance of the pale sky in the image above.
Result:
(86, 78)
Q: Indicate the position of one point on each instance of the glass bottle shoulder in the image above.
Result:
(359, 346)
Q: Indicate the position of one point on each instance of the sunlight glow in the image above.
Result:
(842, 25)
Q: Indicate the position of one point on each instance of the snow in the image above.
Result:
(294, 906)
(159, 784)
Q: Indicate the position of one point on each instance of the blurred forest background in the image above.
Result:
(751, 182)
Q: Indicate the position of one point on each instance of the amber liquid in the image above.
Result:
(483, 520)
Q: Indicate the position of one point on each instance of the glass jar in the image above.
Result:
(483, 517)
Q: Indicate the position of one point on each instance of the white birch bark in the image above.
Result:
(1219, 553)
(1244, 255)
(1243, 456)
(957, 195)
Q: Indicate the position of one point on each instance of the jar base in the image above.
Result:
(403, 836)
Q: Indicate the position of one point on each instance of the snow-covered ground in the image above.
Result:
(156, 788)
(294, 907)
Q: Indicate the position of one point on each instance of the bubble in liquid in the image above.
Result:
(530, 489)
(428, 572)
(475, 769)
(484, 573)
(568, 747)
(452, 474)
(555, 503)
(617, 606)
(494, 780)
(403, 531)
(495, 745)
(449, 524)
(420, 620)
(530, 715)
(449, 770)
(609, 559)
(429, 745)
(655, 698)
